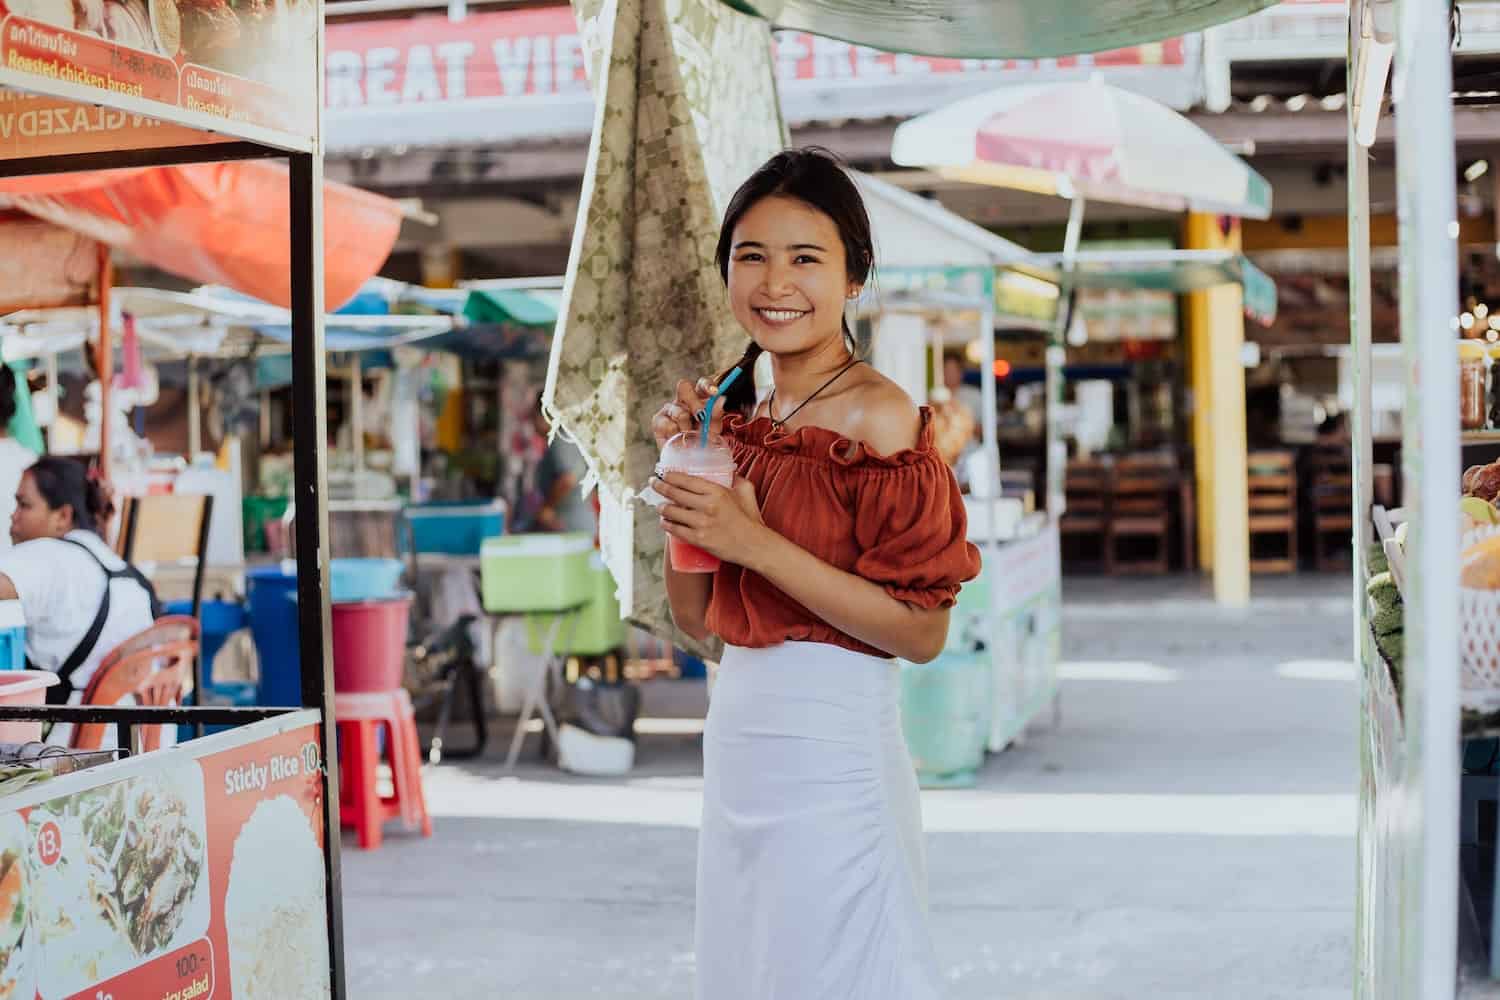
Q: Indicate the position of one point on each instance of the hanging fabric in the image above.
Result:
(686, 109)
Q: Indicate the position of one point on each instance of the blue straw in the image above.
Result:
(708, 408)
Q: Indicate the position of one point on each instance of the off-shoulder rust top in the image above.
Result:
(896, 520)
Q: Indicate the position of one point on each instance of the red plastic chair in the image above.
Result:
(152, 666)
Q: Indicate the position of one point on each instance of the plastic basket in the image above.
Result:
(364, 579)
(257, 511)
(458, 529)
(1479, 636)
(24, 687)
(593, 630)
(521, 573)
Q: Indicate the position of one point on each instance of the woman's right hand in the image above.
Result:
(677, 416)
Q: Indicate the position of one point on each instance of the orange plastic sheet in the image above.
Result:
(216, 223)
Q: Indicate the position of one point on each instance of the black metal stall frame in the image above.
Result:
(309, 429)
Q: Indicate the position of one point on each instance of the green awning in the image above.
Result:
(523, 307)
(999, 29)
(1178, 271)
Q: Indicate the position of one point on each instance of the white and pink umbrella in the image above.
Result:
(1088, 141)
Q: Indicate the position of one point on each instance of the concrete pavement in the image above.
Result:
(1188, 833)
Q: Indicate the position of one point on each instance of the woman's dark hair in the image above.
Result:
(815, 176)
(8, 390)
(66, 482)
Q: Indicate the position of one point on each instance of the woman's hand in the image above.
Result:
(679, 416)
(724, 522)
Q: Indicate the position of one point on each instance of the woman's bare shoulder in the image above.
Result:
(883, 416)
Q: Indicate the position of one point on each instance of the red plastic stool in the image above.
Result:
(359, 718)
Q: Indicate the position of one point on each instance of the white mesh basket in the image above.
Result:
(1479, 637)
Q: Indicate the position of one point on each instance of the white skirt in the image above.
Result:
(811, 878)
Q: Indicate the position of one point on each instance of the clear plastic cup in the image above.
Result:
(714, 462)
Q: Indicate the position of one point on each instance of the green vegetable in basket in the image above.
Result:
(1384, 621)
(1383, 590)
(15, 777)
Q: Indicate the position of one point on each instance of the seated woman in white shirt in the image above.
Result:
(79, 598)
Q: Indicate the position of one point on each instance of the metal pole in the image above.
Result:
(989, 394)
(54, 394)
(195, 418)
(1427, 212)
(104, 357)
(1057, 456)
(310, 494)
(1367, 953)
(357, 417)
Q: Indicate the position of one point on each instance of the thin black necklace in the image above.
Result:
(771, 399)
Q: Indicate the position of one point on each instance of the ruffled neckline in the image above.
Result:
(822, 444)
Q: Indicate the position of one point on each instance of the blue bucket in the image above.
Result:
(273, 625)
(220, 620)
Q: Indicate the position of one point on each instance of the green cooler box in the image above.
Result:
(521, 573)
(594, 630)
(945, 713)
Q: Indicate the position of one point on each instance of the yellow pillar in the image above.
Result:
(1216, 334)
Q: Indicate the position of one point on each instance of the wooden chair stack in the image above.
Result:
(1331, 472)
(1272, 479)
(1141, 512)
(1085, 519)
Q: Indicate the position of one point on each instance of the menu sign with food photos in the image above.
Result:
(209, 64)
(193, 873)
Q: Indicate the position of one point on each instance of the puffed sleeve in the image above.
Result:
(912, 530)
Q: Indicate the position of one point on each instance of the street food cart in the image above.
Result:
(242, 827)
(934, 265)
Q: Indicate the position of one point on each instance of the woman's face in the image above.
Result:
(788, 280)
(33, 518)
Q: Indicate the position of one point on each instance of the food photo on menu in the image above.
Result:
(117, 877)
(256, 39)
(17, 946)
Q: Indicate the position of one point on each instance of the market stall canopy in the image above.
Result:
(1087, 139)
(513, 321)
(514, 301)
(220, 223)
(999, 29)
(207, 322)
(912, 231)
(928, 258)
(1178, 271)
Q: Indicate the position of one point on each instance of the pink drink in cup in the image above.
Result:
(715, 462)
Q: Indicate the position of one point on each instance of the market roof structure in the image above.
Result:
(991, 29)
(1178, 271)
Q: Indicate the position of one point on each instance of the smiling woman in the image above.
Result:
(842, 544)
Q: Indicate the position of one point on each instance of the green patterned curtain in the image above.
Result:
(686, 108)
